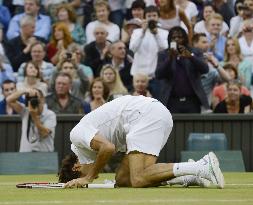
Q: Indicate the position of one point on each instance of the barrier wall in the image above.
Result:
(238, 129)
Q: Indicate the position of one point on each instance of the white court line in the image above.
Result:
(14, 183)
(129, 201)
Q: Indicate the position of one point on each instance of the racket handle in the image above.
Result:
(100, 186)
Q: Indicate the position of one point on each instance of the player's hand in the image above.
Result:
(77, 183)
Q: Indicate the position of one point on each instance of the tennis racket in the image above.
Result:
(47, 185)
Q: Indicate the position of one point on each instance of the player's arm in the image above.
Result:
(104, 149)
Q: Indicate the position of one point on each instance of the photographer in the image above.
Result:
(146, 42)
(38, 122)
(179, 69)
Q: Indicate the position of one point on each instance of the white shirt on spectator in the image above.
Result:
(247, 50)
(112, 29)
(235, 25)
(201, 28)
(145, 50)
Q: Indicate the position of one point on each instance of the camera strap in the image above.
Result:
(28, 127)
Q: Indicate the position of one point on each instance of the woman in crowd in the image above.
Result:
(140, 84)
(32, 78)
(38, 53)
(66, 14)
(112, 79)
(171, 16)
(246, 40)
(233, 55)
(61, 39)
(220, 91)
(80, 81)
(98, 93)
(79, 56)
(201, 26)
(234, 102)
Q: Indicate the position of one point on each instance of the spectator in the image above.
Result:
(60, 40)
(145, 43)
(112, 79)
(102, 13)
(171, 16)
(137, 10)
(99, 93)
(222, 7)
(32, 78)
(2, 42)
(202, 27)
(179, 69)
(79, 55)
(42, 22)
(216, 40)
(38, 123)
(234, 56)
(38, 54)
(128, 29)
(80, 82)
(61, 101)
(117, 13)
(234, 102)
(220, 91)
(122, 62)
(8, 87)
(97, 51)
(18, 49)
(140, 84)
(6, 72)
(5, 17)
(216, 72)
(67, 15)
(237, 21)
(246, 40)
(190, 10)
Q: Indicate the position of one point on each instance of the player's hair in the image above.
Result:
(66, 172)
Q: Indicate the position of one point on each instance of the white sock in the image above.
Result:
(185, 168)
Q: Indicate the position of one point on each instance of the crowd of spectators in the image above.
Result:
(195, 56)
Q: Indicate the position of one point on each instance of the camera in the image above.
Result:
(152, 24)
(173, 45)
(34, 100)
(68, 56)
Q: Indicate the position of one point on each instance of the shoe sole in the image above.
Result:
(218, 177)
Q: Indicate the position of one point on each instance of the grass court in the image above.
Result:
(238, 191)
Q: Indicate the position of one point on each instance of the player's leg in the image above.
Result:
(144, 172)
(122, 175)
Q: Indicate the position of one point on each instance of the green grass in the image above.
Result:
(238, 191)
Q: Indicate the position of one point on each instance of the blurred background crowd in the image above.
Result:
(195, 56)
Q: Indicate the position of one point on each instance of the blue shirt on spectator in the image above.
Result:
(5, 17)
(3, 106)
(42, 28)
(219, 48)
(7, 73)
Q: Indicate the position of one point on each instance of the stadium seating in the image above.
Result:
(29, 163)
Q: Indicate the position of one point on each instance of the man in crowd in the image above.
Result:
(61, 100)
(38, 122)
(146, 42)
(8, 87)
(42, 22)
(140, 127)
(18, 49)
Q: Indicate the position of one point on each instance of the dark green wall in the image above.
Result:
(238, 129)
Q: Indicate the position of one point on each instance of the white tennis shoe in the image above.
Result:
(209, 169)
